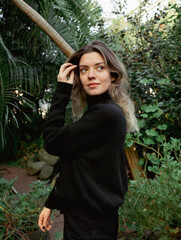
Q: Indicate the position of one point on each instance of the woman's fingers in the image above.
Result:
(65, 73)
(64, 66)
(68, 70)
(50, 221)
(40, 222)
(48, 224)
(71, 78)
(45, 222)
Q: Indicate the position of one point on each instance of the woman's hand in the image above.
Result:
(44, 222)
(66, 73)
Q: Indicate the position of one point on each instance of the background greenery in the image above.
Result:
(152, 208)
(30, 62)
(150, 49)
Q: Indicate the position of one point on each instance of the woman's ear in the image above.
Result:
(113, 79)
(114, 76)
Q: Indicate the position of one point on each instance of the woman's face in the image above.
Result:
(94, 74)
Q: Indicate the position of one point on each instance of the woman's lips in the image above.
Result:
(93, 85)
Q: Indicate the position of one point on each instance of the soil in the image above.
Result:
(22, 186)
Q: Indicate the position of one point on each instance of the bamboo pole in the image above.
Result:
(44, 25)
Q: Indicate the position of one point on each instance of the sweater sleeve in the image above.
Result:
(56, 135)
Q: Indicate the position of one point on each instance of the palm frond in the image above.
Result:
(9, 55)
(9, 98)
(78, 17)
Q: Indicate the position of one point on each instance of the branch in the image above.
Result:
(149, 148)
(44, 25)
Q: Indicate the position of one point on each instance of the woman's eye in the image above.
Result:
(100, 68)
(82, 70)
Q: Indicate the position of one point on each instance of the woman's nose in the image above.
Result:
(91, 74)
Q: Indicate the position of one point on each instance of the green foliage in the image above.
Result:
(19, 212)
(79, 17)
(152, 208)
(150, 48)
(14, 101)
(29, 62)
(58, 235)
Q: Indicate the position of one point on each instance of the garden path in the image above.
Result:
(22, 186)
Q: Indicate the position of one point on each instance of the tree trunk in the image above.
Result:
(133, 159)
(44, 25)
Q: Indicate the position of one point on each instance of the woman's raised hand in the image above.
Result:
(45, 222)
(66, 73)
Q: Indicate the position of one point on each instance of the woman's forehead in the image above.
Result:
(91, 58)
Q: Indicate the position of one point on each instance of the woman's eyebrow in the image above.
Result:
(94, 64)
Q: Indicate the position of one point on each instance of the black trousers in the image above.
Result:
(81, 224)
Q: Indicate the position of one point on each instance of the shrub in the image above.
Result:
(19, 212)
(150, 49)
(152, 208)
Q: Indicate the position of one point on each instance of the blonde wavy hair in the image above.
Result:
(119, 89)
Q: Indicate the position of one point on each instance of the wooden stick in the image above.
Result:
(45, 26)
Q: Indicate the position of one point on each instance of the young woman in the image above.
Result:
(92, 182)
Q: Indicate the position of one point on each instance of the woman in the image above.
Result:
(92, 182)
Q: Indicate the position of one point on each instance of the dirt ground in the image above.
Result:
(22, 186)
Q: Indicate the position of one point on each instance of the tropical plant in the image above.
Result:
(13, 100)
(40, 58)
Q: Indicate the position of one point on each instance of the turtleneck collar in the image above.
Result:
(93, 100)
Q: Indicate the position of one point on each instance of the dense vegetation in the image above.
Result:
(19, 211)
(152, 207)
(151, 51)
(29, 65)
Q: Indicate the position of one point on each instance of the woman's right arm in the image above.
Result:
(56, 135)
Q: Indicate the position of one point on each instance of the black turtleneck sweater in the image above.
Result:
(93, 166)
